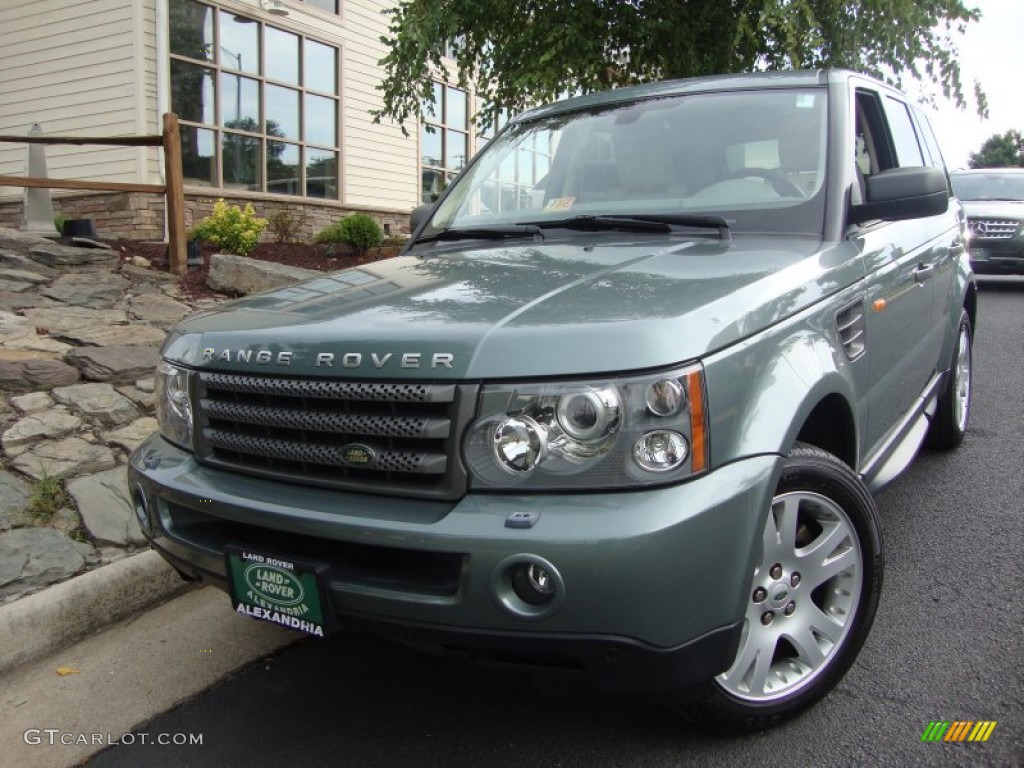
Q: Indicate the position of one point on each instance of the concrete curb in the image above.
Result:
(65, 612)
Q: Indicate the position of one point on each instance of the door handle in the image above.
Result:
(923, 272)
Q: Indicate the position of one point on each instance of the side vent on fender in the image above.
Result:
(850, 325)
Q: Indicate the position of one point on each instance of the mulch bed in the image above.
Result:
(324, 258)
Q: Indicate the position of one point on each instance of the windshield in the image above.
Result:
(756, 158)
(988, 186)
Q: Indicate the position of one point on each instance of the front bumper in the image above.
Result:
(651, 584)
(999, 258)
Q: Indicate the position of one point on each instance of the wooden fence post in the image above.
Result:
(176, 239)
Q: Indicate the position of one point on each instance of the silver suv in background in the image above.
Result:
(994, 201)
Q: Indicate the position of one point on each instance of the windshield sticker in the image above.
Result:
(560, 204)
(805, 101)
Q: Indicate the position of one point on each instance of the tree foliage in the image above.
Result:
(1004, 150)
(520, 52)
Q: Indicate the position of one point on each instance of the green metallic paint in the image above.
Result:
(622, 555)
(597, 304)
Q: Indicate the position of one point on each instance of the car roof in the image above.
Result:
(732, 82)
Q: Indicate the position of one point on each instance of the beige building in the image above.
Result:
(273, 97)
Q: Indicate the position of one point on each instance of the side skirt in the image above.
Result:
(899, 450)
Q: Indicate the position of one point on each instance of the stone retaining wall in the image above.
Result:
(140, 215)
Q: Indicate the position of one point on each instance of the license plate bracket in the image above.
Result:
(283, 590)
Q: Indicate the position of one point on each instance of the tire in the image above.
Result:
(953, 412)
(811, 601)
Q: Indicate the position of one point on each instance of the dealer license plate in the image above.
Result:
(278, 589)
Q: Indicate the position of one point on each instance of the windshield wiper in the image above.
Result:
(486, 233)
(660, 222)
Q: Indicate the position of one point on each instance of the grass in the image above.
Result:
(47, 497)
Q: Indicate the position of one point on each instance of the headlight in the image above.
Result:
(616, 433)
(173, 407)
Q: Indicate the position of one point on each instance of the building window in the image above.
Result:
(444, 140)
(258, 104)
(331, 6)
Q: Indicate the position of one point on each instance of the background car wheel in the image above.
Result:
(811, 602)
(954, 408)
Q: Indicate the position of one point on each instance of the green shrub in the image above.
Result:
(358, 230)
(58, 222)
(230, 228)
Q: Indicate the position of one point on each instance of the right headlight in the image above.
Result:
(597, 434)
(173, 406)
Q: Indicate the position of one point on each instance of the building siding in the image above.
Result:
(73, 67)
(91, 67)
(380, 165)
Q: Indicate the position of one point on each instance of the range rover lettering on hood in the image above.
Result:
(330, 359)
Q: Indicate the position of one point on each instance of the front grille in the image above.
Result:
(378, 437)
(992, 229)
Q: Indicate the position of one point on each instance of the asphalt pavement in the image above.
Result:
(946, 645)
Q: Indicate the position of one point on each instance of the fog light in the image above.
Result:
(660, 451)
(532, 584)
(519, 443)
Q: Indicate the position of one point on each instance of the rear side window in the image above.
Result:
(931, 146)
(908, 150)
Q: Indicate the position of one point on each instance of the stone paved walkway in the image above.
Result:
(79, 338)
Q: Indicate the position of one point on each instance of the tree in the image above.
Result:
(520, 52)
(1000, 151)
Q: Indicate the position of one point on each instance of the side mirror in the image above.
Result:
(419, 215)
(903, 193)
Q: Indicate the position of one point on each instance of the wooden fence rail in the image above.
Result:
(174, 189)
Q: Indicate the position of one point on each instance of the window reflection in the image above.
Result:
(241, 161)
(282, 112)
(282, 55)
(283, 168)
(190, 29)
(239, 43)
(192, 95)
(240, 103)
(321, 67)
(321, 174)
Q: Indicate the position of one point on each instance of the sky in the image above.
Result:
(992, 52)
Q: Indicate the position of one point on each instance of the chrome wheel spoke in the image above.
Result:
(828, 555)
(780, 528)
(807, 648)
(753, 665)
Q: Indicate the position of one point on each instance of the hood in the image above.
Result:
(519, 310)
(994, 209)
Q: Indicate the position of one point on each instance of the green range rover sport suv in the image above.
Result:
(618, 408)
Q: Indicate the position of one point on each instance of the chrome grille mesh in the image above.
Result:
(383, 437)
(992, 229)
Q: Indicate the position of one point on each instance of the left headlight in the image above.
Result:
(613, 433)
(173, 406)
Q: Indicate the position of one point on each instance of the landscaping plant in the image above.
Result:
(358, 230)
(232, 229)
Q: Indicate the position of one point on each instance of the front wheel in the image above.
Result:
(811, 601)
